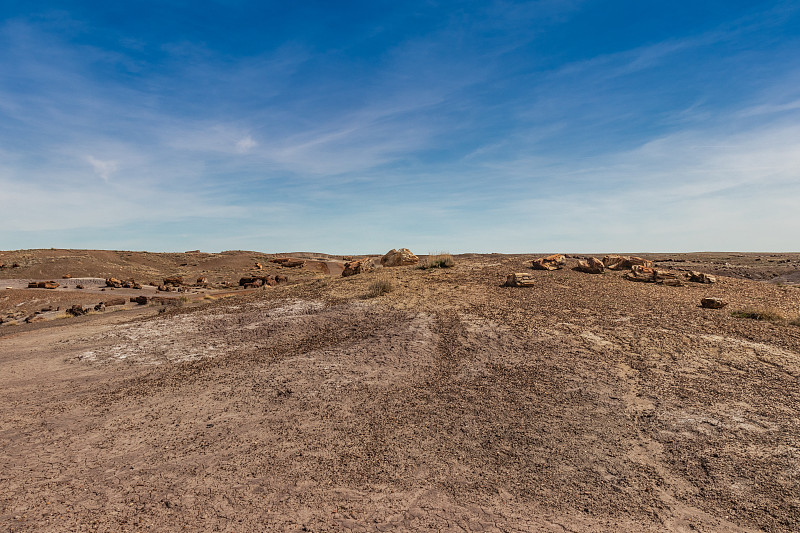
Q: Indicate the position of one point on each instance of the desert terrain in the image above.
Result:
(449, 402)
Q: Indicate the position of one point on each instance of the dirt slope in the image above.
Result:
(586, 403)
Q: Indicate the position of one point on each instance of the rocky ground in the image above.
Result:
(452, 403)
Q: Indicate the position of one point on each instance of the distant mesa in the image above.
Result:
(288, 262)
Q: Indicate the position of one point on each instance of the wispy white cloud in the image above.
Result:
(245, 144)
(104, 169)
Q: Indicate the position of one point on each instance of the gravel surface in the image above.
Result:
(584, 403)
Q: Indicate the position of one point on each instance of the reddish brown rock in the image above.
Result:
(280, 278)
(401, 257)
(141, 300)
(114, 301)
(551, 262)
(520, 279)
(202, 281)
(351, 268)
(113, 282)
(591, 265)
(174, 280)
(66, 276)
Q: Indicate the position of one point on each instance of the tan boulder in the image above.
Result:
(590, 266)
(400, 257)
(351, 268)
(113, 282)
(551, 262)
(520, 279)
(700, 277)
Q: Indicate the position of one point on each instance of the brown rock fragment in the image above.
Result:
(713, 303)
(700, 277)
(520, 279)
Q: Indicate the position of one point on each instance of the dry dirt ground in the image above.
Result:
(585, 403)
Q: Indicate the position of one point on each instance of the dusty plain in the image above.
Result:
(453, 403)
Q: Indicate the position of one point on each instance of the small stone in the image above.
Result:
(713, 303)
(520, 279)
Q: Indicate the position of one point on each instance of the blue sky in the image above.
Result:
(355, 127)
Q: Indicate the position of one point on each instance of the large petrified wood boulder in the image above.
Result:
(624, 262)
(519, 279)
(640, 273)
(653, 275)
(174, 280)
(400, 257)
(42, 285)
(551, 262)
(590, 266)
(351, 268)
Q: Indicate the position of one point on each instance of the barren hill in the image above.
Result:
(451, 403)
